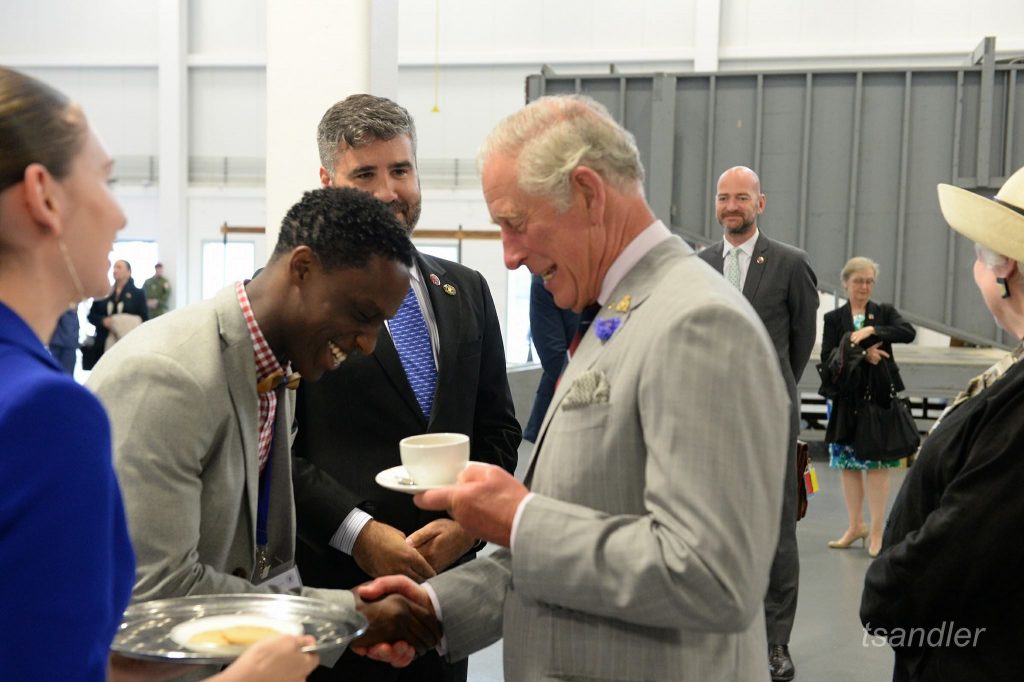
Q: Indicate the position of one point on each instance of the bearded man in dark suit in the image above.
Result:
(350, 528)
(779, 282)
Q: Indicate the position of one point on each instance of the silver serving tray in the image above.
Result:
(145, 632)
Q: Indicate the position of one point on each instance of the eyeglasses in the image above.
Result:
(858, 282)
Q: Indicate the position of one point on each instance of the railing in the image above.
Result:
(242, 171)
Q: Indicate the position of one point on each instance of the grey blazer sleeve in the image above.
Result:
(472, 599)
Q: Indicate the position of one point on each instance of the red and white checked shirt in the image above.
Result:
(266, 364)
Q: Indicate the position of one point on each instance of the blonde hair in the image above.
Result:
(856, 264)
(552, 136)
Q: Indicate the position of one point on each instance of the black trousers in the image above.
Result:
(427, 668)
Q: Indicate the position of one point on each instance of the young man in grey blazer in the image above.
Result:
(639, 546)
(779, 282)
(201, 415)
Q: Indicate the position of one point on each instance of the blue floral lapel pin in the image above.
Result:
(605, 327)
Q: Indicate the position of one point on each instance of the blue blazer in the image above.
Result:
(65, 557)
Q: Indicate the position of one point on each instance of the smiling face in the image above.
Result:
(336, 312)
(738, 202)
(387, 170)
(91, 216)
(560, 247)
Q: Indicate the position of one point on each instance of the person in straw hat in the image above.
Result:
(944, 592)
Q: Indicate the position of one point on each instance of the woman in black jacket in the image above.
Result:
(874, 327)
(124, 298)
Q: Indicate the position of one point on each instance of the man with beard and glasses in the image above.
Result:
(778, 281)
(439, 366)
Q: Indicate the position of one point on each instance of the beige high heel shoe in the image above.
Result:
(874, 550)
(861, 535)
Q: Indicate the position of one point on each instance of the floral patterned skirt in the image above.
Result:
(843, 457)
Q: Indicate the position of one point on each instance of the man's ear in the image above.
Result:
(591, 188)
(301, 262)
(325, 178)
(41, 198)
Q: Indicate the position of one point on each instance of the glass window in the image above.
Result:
(226, 263)
(518, 342)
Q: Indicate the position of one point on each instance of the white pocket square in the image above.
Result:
(589, 388)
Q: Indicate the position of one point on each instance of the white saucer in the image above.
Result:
(398, 479)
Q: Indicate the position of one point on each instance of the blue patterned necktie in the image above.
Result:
(412, 341)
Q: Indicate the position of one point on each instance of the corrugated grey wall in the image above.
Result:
(848, 160)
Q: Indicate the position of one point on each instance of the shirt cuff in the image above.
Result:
(515, 521)
(442, 645)
(344, 539)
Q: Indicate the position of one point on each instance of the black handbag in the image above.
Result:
(91, 352)
(885, 433)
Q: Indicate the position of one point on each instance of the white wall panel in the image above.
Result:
(228, 112)
(874, 29)
(142, 209)
(74, 30)
(544, 32)
(227, 27)
(120, 103)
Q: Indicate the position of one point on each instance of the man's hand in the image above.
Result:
(380, 550)
(875, 354)
(484, 502)
(441, 542)
(398, 654)
(400, 628)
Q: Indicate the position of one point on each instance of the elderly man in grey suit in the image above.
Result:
(778, 281)
(200, 411)
(640, 544)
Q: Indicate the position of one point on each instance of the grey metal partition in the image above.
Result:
(849, 161)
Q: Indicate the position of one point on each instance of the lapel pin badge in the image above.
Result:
(449, 289)
(435, 280)
(760, 260)
(623, 305)
(871, 316)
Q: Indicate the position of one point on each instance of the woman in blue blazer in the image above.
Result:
(65, 556)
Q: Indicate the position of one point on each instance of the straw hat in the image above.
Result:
(997, 224)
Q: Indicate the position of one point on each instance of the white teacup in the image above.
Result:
(434, 458)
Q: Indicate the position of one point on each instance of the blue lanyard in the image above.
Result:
(263, 508)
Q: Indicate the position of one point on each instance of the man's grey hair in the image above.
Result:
(552, 136)
(358, 120)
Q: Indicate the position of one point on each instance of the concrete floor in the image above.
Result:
(828, 641)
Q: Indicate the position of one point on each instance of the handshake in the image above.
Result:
(402, 622)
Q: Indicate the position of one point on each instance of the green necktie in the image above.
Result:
(732, 268)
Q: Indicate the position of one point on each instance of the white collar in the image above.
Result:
(652, 235)
(746, 247)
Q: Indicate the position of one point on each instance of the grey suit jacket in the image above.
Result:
(181, 394)
(783, 289)
(645, 552)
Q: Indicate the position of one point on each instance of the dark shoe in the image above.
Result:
(779, 663)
